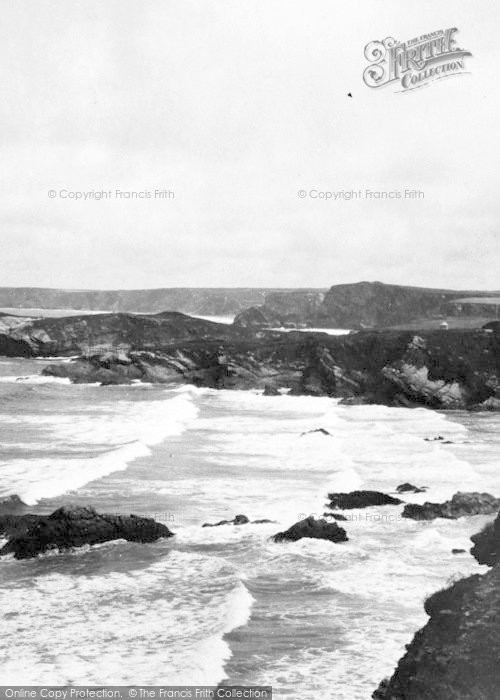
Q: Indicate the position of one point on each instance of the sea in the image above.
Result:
(225, 604)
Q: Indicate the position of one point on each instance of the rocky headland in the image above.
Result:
(455, 656)
(371, 305)
(453, 369)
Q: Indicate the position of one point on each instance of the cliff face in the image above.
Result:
(455, 656)
(374, 305)
(438, 370)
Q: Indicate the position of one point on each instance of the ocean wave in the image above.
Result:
(34, 379)
(128, 428)
(161, 624)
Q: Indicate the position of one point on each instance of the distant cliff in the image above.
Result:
(189, 300)
(370, 305)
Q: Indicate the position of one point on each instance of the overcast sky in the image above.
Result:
(235, 106)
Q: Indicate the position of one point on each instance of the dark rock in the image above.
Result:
(460, 505)
(337, 516)
(434, 439)
(486, 547)
(361, 499)
(492, 326)
(310, 527)
(12, 504)
(458, 369)
(237, 520)
(410, 488)
(262, 521)
(270, 390)
(316, 430)
(455, 655)
(75, 526)
(458, 551)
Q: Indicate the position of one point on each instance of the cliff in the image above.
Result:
(457, 369)
(189, 300)
(373, 305)
(455, 656)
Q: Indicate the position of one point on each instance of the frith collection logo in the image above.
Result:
(414, 63)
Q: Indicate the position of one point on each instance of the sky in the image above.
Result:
(232, 108)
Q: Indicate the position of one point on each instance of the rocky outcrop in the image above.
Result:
(361, 499)
(68, 527)
(450, 370)
(410, 488)
(455, 656)
(486, 547)
(371, 305)
(117, 332)
(461, 504)
(318, 529)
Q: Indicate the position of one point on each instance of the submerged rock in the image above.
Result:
(322, 431)
(460, 505)
(74, 526)
(310, 527)
(458, 551)
(410, 488)
(361, 499)
(237, 520)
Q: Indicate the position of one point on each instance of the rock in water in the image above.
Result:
(361, 499)
(270, 390)
(322, 431)
(75, 526)
(461, 504)
(410, 488)
(310, 527)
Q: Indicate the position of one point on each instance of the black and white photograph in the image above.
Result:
(249, 350)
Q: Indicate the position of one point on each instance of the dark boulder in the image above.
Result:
(75, 526)
(337, 516)
(460, 505)
(310, 527)
(410, 488)
(458, 551)
(486, 547)
(270, 390)
(361, 499)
